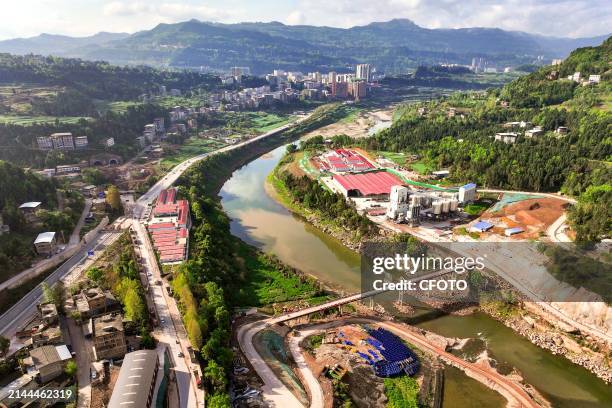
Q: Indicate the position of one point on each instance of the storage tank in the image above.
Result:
(454, 205)
(437, 207)
(445, 206)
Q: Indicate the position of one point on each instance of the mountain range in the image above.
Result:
(391, 46)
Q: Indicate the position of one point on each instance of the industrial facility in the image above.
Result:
(380, 191)
(411, 206)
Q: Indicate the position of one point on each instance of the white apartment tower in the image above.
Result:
(364, 72)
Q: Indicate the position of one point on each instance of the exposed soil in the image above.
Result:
(354, 128)
(533, 215)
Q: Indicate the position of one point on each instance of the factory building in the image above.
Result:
(410, 207)
(467, 193)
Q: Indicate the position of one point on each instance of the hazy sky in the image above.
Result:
(572, 18)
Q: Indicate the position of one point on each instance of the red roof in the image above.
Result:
(369, 183)
(160, 225)
(183, 207)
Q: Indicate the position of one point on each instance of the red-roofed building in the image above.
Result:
(170, 227)
(374, 184)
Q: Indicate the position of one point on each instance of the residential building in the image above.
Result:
(108, 336)
(339, 89)
(358, 89)
(48, 313)
(594, 79)
(67, 168)
(29, 210)
(62, 141)
(46, 363)
(561, 130)
(239, 71)
(46, 243)
(95, 301)
(159, 125)
(363, 72)
(135, 385)
(44, 142)
(108, 142)
(81, 142)
(535, 132)
(506, 137)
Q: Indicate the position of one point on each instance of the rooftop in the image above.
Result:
(30, 204)
(45, 355)
(44, 238)
(108, 323)
(369, 183)
(134, 381)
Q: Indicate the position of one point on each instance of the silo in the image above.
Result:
(445, 206)
(437, 207)
(454, 205)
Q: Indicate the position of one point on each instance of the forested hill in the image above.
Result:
(96, 79)
(392, 46)
(576, 162)
(18, 186)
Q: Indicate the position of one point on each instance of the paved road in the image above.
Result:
(54, 260)
(18, 314)
(275, 393)
(170, 327)
(25, 308)
(549, 195)
(82, 348)
(170, 178)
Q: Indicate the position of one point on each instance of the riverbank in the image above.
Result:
(539, 332)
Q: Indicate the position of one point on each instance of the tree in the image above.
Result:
(4, 345)
(94, 176)
(71, 369)
(54, 294)
(218, 400)
(146, 340)
(113, 199)
(95, 274)
(215, 374)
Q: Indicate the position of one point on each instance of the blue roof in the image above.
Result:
(470, 185)
(483, 225)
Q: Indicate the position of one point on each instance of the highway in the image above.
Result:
(19, 313)
(25, 308)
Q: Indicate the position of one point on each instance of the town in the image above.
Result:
(213, 214)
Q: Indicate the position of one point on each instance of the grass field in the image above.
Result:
(269, 281)
(402, 392)
(397, 158)
(30, 120)
(264, 122)
(192, 147)
(420, 168)
(351, 114)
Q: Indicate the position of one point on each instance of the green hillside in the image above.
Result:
(392, 46)
(577, 163)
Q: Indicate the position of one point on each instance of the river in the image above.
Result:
(261, 221)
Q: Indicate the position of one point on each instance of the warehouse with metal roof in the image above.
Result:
(135, 385)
